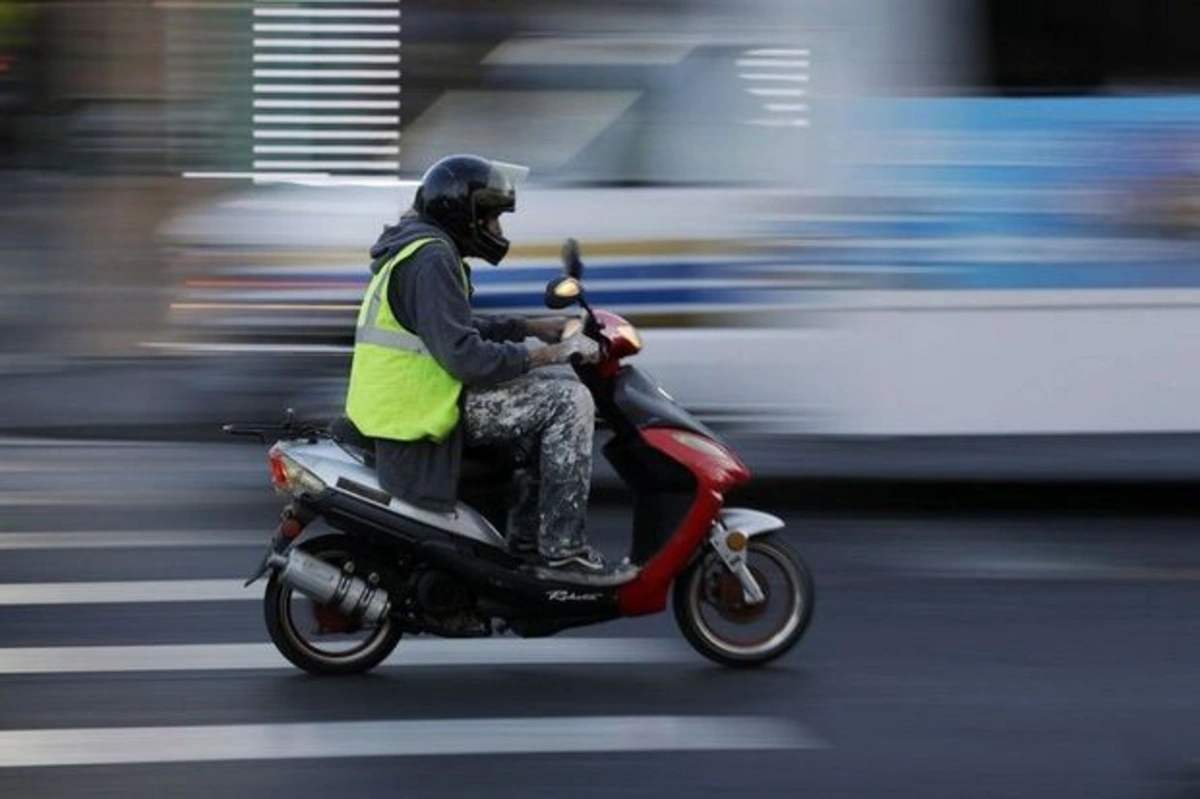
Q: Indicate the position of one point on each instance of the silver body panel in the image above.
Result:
(330, 462)
(751, 522)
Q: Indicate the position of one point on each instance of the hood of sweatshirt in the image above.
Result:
(396, 237)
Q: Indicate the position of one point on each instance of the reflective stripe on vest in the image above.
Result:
(366, 331)
(397, 389)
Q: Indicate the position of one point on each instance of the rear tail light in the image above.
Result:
(289, 477)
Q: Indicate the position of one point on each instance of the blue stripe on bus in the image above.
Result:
(676, 270)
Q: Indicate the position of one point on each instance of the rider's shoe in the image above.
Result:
(587, 562)
(586, 568)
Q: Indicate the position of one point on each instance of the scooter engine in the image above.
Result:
(445, 606)
(439, 594)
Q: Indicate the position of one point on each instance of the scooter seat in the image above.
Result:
(479, 464)
(347, 434)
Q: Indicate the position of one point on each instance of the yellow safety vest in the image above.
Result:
(397, 389)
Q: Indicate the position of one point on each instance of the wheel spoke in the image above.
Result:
(740, 632)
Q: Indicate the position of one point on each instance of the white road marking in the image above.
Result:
(410, 653)
(134, 539)
(102, 746)
(1043, 568)
(25, 467)
(91, 593)
(59, 443)
(117, 496)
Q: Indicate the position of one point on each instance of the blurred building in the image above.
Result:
(91, 172)
(959, 217)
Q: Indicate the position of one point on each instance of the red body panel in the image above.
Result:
(714, 475)
(622, 339)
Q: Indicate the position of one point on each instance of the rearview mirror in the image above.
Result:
(572, 266)
(562, 292)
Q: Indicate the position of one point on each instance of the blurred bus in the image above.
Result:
(930, 218)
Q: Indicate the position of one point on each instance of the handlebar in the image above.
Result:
(573, 267)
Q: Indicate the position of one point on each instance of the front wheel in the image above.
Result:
(716, 620)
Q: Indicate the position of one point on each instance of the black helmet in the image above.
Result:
(461, 194)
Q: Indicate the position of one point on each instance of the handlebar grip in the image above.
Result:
(243, 429)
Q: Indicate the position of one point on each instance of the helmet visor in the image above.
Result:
(513, 174)
(500, 193)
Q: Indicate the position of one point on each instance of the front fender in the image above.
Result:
(751, 522)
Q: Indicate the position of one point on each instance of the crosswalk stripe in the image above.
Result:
(124, 497)
(417, 652)
(105, 746)
(60, 443)
(92, 593)
(131, 539)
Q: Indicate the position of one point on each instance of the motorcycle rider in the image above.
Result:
(428, 377)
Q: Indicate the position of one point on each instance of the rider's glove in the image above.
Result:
(547, 328)
(578, 344)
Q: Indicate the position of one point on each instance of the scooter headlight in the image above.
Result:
(701, 444)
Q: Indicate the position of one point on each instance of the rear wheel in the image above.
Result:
(316, 637)
(716, 620)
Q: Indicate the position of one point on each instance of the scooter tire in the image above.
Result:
(292, 644)
(686, 599)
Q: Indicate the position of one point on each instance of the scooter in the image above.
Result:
(339, 603)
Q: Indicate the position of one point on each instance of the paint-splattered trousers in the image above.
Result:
(550, 416)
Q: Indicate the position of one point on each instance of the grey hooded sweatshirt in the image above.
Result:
(426, 295)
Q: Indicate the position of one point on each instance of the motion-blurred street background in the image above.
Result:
(931, 265)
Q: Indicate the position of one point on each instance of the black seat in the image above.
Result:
(346, 433)
(479, 463)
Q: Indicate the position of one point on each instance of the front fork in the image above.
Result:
(292, 521)
(731, 547)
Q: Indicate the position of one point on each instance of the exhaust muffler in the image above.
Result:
(326, 584)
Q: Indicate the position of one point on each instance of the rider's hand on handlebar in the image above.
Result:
(579, 344)
(546, 328)
(571, 328)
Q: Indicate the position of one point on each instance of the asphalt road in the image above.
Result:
(971, 655)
